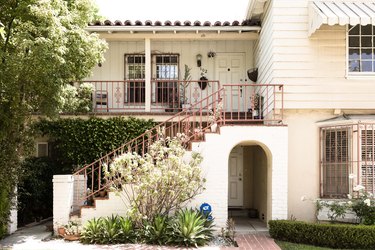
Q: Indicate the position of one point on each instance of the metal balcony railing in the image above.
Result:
(232, 104)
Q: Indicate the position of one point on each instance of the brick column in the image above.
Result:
(63, 187)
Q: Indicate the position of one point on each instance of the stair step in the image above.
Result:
(242, 212)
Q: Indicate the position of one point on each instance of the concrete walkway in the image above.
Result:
(38, 238)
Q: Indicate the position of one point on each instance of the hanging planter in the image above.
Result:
(203, 82)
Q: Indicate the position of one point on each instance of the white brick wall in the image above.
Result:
(115, 204)
(215, 151)
(62, 199)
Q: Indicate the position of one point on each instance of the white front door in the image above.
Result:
(230, 69)
(235, 173)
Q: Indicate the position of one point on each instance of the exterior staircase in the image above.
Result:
(194, 122)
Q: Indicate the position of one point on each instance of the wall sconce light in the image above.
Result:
(211, 54)
(199, 60)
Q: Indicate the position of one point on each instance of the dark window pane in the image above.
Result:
(354, 41)
(353, 54)
(366, 66)
(174, 59)
(354, 66)
(354, 31)
(366, 30)
(366, 41)
(130, 59)
(366, 54)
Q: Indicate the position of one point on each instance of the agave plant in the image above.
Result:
(92, 231)
(126, 234)
(156, 232)
(110, 230)
(191, 228)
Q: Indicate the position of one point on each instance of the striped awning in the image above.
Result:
(340, 12)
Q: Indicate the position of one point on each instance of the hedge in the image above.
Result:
(79, 141)
(326, 235)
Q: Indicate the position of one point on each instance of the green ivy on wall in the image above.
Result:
(77, 141)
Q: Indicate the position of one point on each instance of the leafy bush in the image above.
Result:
(162, 174)
(191, 228)
(35, 190)
(4, 212)
(79, 141)
(329, 235)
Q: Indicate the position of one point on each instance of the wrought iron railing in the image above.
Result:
(194, 121)
(164, 95)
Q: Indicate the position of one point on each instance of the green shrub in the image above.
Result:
(329, 235)
(187, 227)
(157, 231)
(79, 142)
(191, 228)
(109, 230)
(91, 232)
(4, 212)
(126, 230)
(35, 190)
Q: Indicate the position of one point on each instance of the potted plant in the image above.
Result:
(203, 79)
(215, 115)
(256, 101)
(183, 87)
(198, 133)
(72, 231)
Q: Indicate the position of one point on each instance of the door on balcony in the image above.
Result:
(230, 69)
(165, 91)
(235, 181)
(135, 76)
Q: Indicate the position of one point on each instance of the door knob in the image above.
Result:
(240, 179)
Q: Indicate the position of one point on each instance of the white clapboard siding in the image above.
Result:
(313, 69)
(264, 47)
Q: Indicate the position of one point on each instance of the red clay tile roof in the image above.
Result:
(175, 23)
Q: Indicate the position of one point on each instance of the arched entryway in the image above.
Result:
(249, 182)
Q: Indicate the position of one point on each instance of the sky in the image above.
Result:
(162, 10)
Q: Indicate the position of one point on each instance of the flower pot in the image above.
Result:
(186, 106)
(102, 193)
(61, 231)
(71, 237)
(203, 82)
(214, 127)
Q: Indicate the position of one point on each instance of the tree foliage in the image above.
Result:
(43, 46)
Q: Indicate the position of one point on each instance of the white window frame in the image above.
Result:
(356, 75)
(37, 148)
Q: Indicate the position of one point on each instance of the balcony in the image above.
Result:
(241, 102)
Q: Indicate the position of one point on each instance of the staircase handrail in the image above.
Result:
(185, 115)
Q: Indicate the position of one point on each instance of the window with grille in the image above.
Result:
(166, 67)
(335, 162)
(135, 72)
(361, 49)
(367, 157)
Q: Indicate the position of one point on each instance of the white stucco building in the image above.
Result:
(296, 78)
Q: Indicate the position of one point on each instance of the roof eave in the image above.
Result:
(173, 29)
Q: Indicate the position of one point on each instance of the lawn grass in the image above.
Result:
(294, 246)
